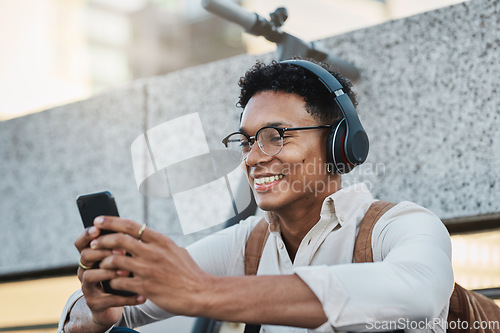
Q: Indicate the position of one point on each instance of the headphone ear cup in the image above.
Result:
(336, 148)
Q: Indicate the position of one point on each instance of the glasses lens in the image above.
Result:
(270, 141)
(238, 145)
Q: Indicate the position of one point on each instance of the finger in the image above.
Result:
(118, 241)
(91, 281)
(97, 299)
(127, 283)
(92, 285)
(89, 257)
(118, 272)
(121, 264)
(107, 301)
(86, 237)
(79, 274)
(125, 226)
(122, 272)
(117, 224)
(119, 251)
(93, 278)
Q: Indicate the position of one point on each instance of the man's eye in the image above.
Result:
(286, 137)
(244, 143)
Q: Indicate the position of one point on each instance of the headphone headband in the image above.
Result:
(355, 144)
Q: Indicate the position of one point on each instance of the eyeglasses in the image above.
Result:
(268, 138)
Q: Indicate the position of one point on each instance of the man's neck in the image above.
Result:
(293, 230)
(296, 222)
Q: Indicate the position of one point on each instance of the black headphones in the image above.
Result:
(347, 144)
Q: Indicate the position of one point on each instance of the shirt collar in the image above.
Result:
(339, 206)
(273, 221)
(346, 202)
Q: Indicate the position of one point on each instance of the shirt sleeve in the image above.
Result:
(411, 277)
(219, 254)
(132, 316)
(143, 314)
(223, 252)
(67, 309)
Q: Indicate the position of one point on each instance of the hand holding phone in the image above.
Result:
(92, 206)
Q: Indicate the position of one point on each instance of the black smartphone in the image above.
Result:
(94, 205)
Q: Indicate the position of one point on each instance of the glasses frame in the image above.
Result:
(281, 131)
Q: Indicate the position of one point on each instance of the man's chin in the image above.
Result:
(265, 208)
(268, 205)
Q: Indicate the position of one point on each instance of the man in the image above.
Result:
(306, 276)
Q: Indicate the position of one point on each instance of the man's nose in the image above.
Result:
(256, 155)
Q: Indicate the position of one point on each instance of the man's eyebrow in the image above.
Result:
(280, 124)
(276, 124)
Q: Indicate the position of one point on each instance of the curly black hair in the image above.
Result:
(294, 79)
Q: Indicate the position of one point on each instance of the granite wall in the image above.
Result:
(428, 99)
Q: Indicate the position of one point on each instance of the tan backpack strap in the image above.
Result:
(363, 246)
(255, 245)
(471, 307)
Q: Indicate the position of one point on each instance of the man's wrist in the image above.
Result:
(219, 298)
(206, 298)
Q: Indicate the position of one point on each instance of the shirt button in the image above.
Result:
(341, 218)
(281, 245)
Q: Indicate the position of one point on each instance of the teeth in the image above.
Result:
(267, 180)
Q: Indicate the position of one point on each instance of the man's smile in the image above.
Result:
(264, 183)
(267, 180)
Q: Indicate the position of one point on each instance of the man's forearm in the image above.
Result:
(275, 300)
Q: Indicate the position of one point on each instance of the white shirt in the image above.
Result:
(409, 283)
